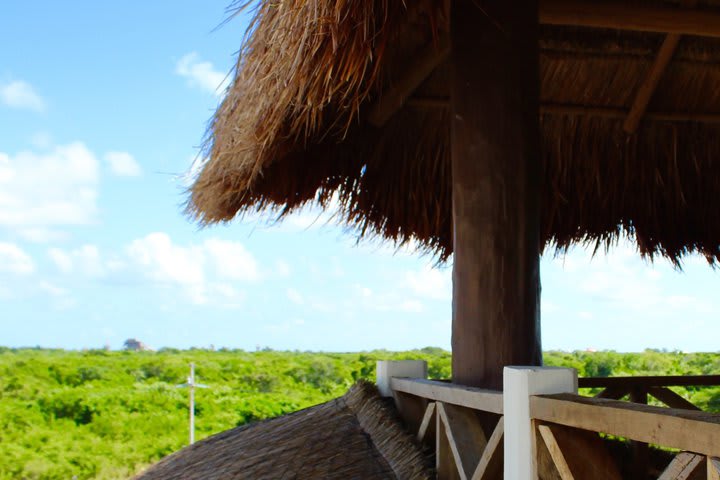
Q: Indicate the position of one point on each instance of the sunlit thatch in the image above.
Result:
(293, 129)
(356, 436)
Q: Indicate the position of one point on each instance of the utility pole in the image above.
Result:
(191, 386)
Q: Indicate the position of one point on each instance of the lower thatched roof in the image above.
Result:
(356, 436)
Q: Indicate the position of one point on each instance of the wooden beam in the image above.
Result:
(587, 111)
(555, 453)
(584, 455)
(490, 464)
(444, 461)
(613, 393)
(640, 450)
(428, 422)
(465, 436)
(624, 16)
(713, 468)
(411, 409)
(683, 429)
(670, 398)
(394, 97)
(646, 90)
(649, 381)
(475, 398)
(495, 162)
(682, 466)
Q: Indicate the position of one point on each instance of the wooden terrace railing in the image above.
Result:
(639, 390)
(476, 432)
(467, 445)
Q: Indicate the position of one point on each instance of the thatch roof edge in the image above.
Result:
(383, 426)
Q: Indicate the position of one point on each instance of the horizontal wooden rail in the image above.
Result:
(583, 111)
(646, 382)
(683, 429)
(635, 17)
(475, 398)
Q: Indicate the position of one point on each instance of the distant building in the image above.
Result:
(135, 345)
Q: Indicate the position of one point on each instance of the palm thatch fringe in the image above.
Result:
(292, 130)
(356, 436)
(397, 446)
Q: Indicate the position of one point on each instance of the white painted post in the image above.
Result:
(191, 386)
(386, 369)
(519, 384)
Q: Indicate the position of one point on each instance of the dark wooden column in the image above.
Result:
(496, 172)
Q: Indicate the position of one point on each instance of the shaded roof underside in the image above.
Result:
(296, 127)
(356, 436)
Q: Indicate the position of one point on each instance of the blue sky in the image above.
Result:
(102, 106)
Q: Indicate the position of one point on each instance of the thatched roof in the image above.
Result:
(357, 436)
(303, 121)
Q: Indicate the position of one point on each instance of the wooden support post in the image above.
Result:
(640, 450)
(494, 103)
(521, 386)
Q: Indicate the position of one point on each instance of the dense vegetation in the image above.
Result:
(103, 414)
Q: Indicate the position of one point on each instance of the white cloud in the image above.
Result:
(202, 271)
(432, 283)
(201, 74)
(231, 260)
(50, 189)
(282, 268)
(14, 260)
(123, 164)
(622, 279)
(61, 298)
(165, 262)
(85, 260)
(21, 95)
(294, 296)
(41, 234)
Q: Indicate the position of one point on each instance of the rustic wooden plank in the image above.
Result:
(495, 150)
(647, 88)
(615, 393)
(640, 450)
(465, 436)
(713, 468)
(475, 398)
(411, 409)
(584, 455)
(428, 422)
(490, 464)
(670, 398)
(555, 453)
(444, 461)
(649, 381)
(589, 111)
(635, 17)
(682, 466)
(394, 97)
(683, 429)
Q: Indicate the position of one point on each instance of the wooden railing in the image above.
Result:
(465, 426)
(639, 390)
(578, 454)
